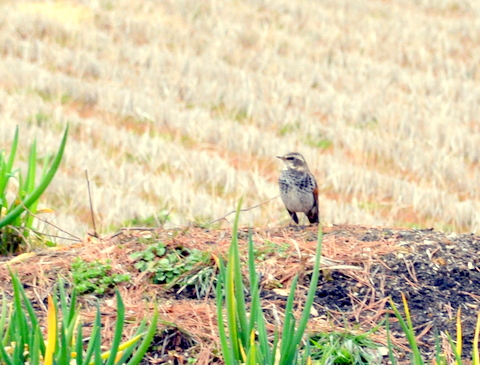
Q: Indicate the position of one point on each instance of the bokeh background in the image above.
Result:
(178, 108)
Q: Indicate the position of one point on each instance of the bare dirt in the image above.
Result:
(363, 267)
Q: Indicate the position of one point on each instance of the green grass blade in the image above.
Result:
(31, 170)
(408, 330)
(257, 319)
(20, 335)
(69, 311)
(302, 325)
(251, 263)
(28, 305)
(66, 309)
(147, 340)
(391, 356)
(255, 304)
(252, 353)
(30, 184)
(79, 345)
(93, 338)
(97, 350)
(129, 350)
(6, 338)
(3, 317)
(19, 321)
(73, 312)
(64, 353)
(231, 308)
(117, 337)
(35, 348)
(438, 349)
(127, 353)
(327, 354)
(306, 358)
(475, 355)
(38, 191)
(4, 356)
(274, 347)
(63, 301)
(234, 298)
(228, 357)
(69, 315)
(458, 356)
(287, 346)
(7, 168)
(257, 322)
(244, 330)
(459, 332)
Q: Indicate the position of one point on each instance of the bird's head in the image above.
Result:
(294, 161)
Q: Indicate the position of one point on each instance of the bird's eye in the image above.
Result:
(290, 158)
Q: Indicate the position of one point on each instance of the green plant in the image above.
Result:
(201, 278)
(16, 215)
(289, 128)
(22, 341)
(95, 276)
(344, 348)
(319, 142)
(247, 341)
(169, 265)
(40, 119)
(269, 248)
(156, 220)
(416, 357)
(205, 221)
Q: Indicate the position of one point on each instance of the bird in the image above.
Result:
(298, 188)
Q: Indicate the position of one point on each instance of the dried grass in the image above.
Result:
(194, 320)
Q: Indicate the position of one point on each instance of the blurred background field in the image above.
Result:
(178, 108)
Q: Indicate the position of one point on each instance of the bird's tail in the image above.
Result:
(313, 216)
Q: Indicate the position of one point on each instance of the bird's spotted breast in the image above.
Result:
(297, 190)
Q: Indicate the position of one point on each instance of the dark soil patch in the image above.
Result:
(438, 274)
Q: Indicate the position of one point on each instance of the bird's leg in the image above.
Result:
(294, 216)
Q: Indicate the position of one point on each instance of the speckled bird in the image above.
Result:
(298, 188)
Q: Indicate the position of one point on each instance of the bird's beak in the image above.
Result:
(280, 157)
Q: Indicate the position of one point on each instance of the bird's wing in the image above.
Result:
(315, 196)
(315, 191)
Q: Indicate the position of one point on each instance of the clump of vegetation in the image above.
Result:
(441, 357)
(95, 277)
(22, 340)
(243, 329)
(156, 220)
(269, 249)
(171, 265)
(319, 142)
(17, 213)
(344, 348)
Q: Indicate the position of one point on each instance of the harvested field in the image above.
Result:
(178, 108)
